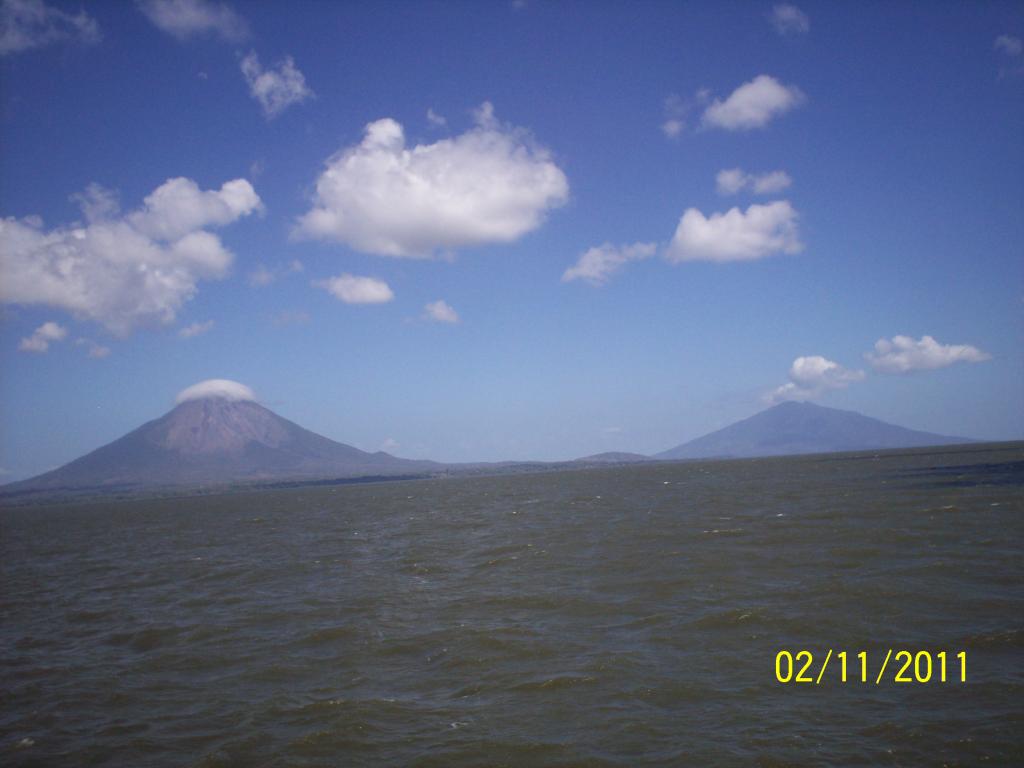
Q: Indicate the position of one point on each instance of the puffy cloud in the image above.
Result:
(733, 180)
(195, 329)
(435, 119)
(26, 24)
(352, 289)
(223, 388)
(41, 337)
(275, 89)
(491, 184)
(752, 105)
(440, 311)
(191, 18)
(125, 271)
(811, 377)
(735, 235)
(788, 19)
(1010, 45)
(903, 354)
(598, 264)
(178, 207)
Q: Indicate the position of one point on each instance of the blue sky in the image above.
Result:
(469, 231)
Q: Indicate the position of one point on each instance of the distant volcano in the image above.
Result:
(791, 428)
(217, 434)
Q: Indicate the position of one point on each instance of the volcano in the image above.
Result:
(217, 434)
(795, 428)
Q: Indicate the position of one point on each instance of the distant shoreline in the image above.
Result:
(115, 494)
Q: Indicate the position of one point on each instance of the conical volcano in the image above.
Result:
(217, 434)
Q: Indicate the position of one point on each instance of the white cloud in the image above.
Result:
(390, 444)
(903, 354)
(352, 289)
(813, 376)
(93, 350)
(124, 271)
(435, 119)
(788, 19)
(275, 89)
(598, 264)
(732, 180)
(1010, 45)
(729, 181)
(491, 184)
(191, 18)
(178, 207)
(26, 24)
(440, 311)
(752, 105)
(41, 337)
(763, 230)
(195, 329)
(223, 388)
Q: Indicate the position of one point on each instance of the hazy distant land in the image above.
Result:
(218, 438)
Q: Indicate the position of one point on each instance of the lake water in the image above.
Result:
(616, 617)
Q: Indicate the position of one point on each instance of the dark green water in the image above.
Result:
(619, 617)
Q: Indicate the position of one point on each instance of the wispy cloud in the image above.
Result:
(93, 349)
(263, 275)
(675, 117)
(27, 24)
(1011, 48)
(598, 264)
(1010, 45)
(760, 231)
(790, 20)
(276, 88)
(184, 19)
(492, 184)
(353, 289)
(196, 329)
(903, 354)
(42, 337)
(752, 105)
(290, 317)
(730, 181)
